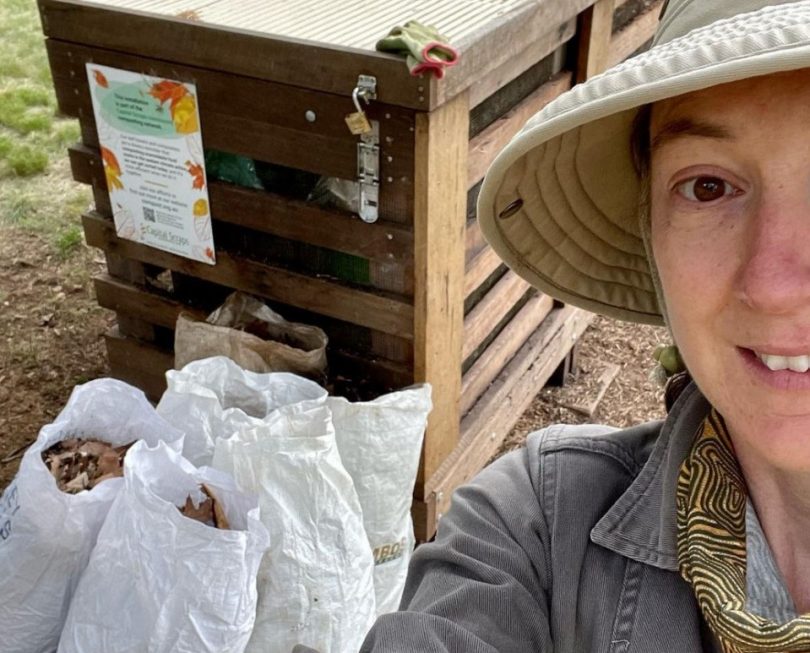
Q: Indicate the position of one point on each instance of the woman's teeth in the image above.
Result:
(793, 363)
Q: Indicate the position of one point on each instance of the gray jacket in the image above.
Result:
(567, 546)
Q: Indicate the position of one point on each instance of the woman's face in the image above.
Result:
(730, 182)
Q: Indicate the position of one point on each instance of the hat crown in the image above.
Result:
(682, 16)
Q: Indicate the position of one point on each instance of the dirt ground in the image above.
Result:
(51, 335)
(631, 398)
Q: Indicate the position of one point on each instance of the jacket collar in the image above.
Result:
(641, 525)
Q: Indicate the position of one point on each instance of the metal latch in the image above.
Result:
(368, 155)
(368, 173)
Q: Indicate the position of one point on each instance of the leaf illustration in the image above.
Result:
(101, 80)
(112, 170)
(168, 91)
(198, 174)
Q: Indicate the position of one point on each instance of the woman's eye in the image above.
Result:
(705, 189)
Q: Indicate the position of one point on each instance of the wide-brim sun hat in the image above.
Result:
(560, 204)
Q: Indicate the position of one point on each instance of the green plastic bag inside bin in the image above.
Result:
(232, 168)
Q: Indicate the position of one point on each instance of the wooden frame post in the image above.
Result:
(595, 32)
(440, 209)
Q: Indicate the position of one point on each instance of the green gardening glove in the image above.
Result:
(424, 48)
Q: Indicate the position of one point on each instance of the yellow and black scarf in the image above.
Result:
(711, 501)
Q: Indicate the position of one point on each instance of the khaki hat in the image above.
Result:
(560, 204)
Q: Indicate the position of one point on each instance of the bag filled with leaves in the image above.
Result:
(50, 515)
(255, 337)
(379, 443)
(175, 565)
(214, 398)
(316, 581)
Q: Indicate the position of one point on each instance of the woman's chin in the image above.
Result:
(777, 438)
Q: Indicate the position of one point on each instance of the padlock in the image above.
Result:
(358, 121)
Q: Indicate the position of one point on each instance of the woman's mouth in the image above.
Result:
(793, 363)
(778, 371)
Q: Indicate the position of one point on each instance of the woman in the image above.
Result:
(675, 188)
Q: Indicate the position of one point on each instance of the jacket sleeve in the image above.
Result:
(481, 586)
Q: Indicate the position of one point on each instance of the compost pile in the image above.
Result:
(80, 464)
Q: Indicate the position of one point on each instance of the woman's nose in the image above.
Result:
(774, 274)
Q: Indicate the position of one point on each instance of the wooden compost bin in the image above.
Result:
(431, 301)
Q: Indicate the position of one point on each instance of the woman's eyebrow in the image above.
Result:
(688, 127)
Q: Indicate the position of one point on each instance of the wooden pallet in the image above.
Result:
(433, 302)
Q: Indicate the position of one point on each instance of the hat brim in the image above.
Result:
(566, 186)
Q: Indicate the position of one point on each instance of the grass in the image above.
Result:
(36, 191)
(69, 241)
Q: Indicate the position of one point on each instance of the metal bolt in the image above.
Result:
(421, 98)
(389, 179)
(389, 158)
(310, 116)
(389, 139)
(388, 116)
(420, 88)
(404, 180)
(389, 236)
(439, 497)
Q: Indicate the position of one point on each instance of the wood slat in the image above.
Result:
(635, 35)
(595, 29)
(138, 363)
(379, 311)
(280, 216)
(160, 310)
(494, 45)
(480, 268)
(474, 240)
(502, 349)
(325, 68)
(254, 118)
(131, 300)
(439, 222)
(486, 145)
(489, 312)
(513, 67)
(493, 416)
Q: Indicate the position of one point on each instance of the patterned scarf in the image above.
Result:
(711, 500)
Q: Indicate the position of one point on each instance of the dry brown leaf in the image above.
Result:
(80, 464)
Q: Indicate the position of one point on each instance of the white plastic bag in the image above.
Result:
(214, 397)
(160, 582)
(46, 535)
(379, 443)
(316, 582)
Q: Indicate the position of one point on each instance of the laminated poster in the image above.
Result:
(151, 148)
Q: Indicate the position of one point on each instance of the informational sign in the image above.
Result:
(152, 152)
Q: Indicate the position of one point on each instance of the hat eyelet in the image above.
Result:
(511, 209)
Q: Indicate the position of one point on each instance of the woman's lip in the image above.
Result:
(780, 351)
(778, 379)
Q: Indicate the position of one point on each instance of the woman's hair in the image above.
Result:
(640, 150)
(640, 144)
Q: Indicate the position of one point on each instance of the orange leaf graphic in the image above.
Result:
(112, 169)
(209, 253)
(168, 91)
(197, 172)
(101, 80)
(109, 159)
